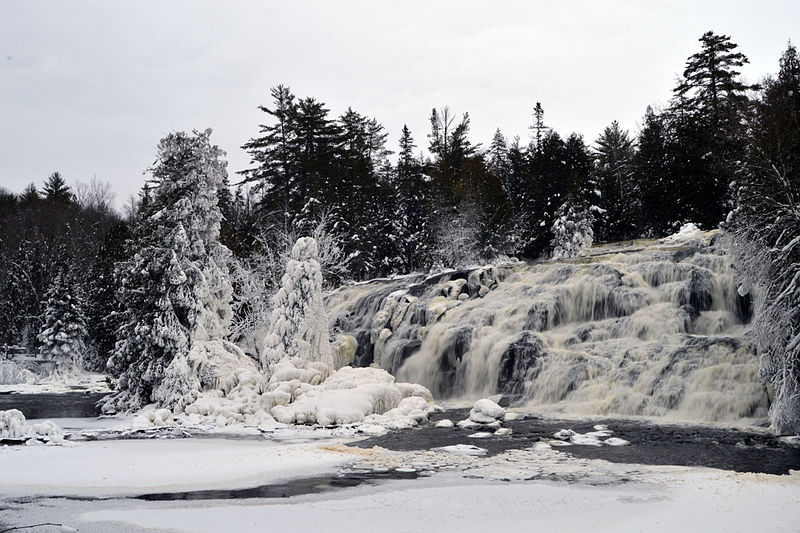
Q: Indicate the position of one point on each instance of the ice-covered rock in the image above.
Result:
(503, 432)
(463, 449)
(486, 411)
(564, 434)
(480, 435)
(446, 423)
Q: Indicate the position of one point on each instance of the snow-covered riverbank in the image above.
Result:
(460, 493)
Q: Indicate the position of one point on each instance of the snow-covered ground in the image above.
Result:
(133, 467)
(537, 488)
(81, 382)
(690, 501)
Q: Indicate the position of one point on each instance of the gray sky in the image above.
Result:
(88, 88)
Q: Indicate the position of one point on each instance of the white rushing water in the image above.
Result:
(653, 329)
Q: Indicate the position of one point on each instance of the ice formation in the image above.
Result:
(299, 322)
(13, 426)
(599, 437)
(635, 329)
(295, 382)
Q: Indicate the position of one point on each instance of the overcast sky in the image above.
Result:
(88, 88)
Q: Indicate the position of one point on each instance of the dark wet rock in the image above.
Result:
(520, 363)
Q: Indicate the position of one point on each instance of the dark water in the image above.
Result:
(656, 444)
(297, 487)
(53, 405)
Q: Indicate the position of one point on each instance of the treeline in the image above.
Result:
(466, 202)
(383, 213)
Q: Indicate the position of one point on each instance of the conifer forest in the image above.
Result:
(444, 304)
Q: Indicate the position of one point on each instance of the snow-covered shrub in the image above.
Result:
(13, 374)
(572, 230)
(456, 239)
(63, 332)
(14, 426)
(299, 325)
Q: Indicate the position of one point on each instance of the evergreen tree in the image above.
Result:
(706, 116)
(29, 195)
(618, 195)
(176, 288)
(104, 311)
(572, 229)
(63, 333)
(272, 154)
(415, 236)
(56, 189)
(538, 127)
(656, 181)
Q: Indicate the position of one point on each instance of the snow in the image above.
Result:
(14, 426)
(599, 437)
(687, 232)
(299, 322)
(486, 411)
(12, 373)
(445, 423)
(694, 501)
(463, 449)
(132, 467)
(78, 382)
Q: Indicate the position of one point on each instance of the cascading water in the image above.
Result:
(656, 329)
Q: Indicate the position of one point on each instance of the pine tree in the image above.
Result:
(613, 172)
(104, 311)
(176, 288)
(538, 127)
(63, 333)
(275, 163)
(56, 189)
(29, 195)
(710, 86)
(653, 172)
(412, 204)
(572, 229)
(706, 119)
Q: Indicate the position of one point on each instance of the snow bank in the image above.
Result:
(14, 426)
(687, 232)
(309, 392)
(304, 392)
(131, 467)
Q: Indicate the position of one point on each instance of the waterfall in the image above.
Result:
(657, 330)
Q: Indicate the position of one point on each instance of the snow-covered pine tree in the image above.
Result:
(572, 229)
(63, 332)
(299, 325)
(176, 289)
